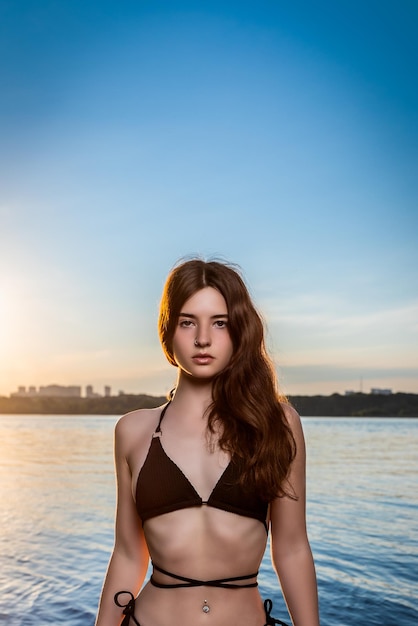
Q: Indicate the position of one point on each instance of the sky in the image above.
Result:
(281, 136)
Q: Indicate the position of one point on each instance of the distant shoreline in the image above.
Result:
(335, 405)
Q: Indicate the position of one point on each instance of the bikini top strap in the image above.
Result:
(158, 429)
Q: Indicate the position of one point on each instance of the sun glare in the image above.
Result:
(5, 321)
(10, 341)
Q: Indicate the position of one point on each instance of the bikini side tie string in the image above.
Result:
(128, 608)
(271, 621)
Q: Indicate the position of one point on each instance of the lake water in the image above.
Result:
(57, 508)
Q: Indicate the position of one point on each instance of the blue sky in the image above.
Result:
(280, 136)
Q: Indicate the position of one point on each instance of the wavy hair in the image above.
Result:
(245, 398)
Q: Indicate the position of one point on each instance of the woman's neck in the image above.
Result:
(192, 396)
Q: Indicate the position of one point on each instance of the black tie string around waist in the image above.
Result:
(223, 583)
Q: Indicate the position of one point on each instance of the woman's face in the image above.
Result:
(202, 346)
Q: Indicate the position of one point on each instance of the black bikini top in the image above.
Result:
(162, 487)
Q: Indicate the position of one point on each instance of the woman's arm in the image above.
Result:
(129, 561)
(291, 552)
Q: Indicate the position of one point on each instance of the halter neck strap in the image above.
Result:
(158, 429)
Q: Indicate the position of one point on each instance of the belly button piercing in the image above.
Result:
(205, 607)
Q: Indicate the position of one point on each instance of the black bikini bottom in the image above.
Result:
(222, 583)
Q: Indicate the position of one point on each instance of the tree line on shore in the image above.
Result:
(335, 405)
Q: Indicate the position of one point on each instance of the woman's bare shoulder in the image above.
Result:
(292, 418)
(290, 413)
(138, 423)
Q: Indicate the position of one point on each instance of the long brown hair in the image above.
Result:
(246, 402)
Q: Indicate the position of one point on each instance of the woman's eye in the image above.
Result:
(220, 323)
(186, 323)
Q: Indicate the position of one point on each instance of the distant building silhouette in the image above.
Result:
(50, 391)
(380, 392)
(58, 391)
(90, 393)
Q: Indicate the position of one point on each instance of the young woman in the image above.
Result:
(205, 478)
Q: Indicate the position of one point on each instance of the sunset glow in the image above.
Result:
(279, 139)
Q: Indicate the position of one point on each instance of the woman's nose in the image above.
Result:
(202, 339)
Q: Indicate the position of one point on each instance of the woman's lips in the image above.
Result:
(202, 359)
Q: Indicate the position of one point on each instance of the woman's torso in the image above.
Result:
(201, 542)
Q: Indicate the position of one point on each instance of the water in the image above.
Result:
(57, 506)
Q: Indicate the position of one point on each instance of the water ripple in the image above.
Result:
(57, 492)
